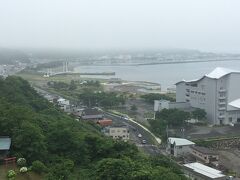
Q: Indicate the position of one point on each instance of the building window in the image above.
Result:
(112, 131)
(238, 120)
(230, 119)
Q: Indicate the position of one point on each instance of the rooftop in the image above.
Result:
(215, 74)
(91, 111)
(204, 170)
(204, 150)
(220, 72)
(5, 143)
(235, 103)
(180, 141)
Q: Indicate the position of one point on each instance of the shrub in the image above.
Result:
(38, 167)
(21, 162)
(11, 174)
(23, 170)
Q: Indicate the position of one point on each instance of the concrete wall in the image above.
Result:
(182, 150)
(179, 105)
(180, 92)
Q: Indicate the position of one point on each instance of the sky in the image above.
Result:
(207, 25)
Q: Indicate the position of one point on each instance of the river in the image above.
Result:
(165, 74)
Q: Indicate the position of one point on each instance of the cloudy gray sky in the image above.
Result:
(211, 25)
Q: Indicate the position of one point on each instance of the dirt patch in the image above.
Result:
(230, 159)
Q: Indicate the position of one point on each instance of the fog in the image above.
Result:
(209, 25)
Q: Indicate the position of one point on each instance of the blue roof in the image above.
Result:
(5, 143)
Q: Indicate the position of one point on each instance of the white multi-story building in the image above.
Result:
(218, 93)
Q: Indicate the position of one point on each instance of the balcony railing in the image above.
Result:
(222, 103)
(222, 90)
(221, 116)
(222, 97)
(222, 108)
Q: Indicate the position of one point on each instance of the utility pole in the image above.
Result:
(167, 131)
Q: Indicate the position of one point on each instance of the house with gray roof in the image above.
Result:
(178, 146)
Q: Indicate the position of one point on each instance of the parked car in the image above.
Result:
(139, 135)
(144, 141)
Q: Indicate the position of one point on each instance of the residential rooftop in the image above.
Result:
(91, 111)
(180, 141)
(204, 170)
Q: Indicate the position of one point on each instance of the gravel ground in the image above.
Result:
(231, 160)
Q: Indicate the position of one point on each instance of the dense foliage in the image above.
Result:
(170, 117)
(68, 149)
(103, 99)
(154, 96)
(199, 114)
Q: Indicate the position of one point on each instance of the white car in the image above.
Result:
(139, 135)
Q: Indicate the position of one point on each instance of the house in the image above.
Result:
(92, 114)
(105, 122)
(77, 111)
(117, 132)
(198, 171)
(217, 93)
(64, 104)
(204, 154)
(178, 146)
(5, 143)
(49, 97)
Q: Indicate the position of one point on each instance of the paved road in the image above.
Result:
(135, 129)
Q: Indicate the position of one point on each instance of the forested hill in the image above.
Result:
(69, 149)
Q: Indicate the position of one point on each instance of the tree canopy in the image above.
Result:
(155, 96)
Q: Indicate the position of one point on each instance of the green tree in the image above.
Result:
(114, 169)
(134, 107)
(199, 114)
(72, 85)
(38, 167)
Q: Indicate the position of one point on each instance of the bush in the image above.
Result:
(21, 162)
(11, 174)
(38, 167)
(23, 170)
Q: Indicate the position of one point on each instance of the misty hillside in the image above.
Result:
(11, 56)
(67, 149)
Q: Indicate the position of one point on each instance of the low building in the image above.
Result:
(92, 114)
(198, 171)
(117, 132)
(178, 146)
(105, 122)
(64, 104)
(204, 154)
(5, 143)
(164, 104)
